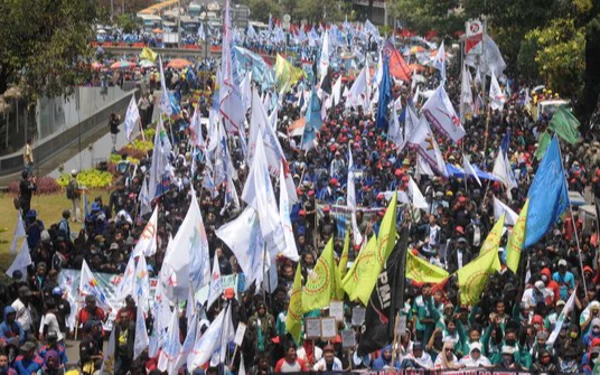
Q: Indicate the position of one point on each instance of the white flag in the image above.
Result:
(18, 234)
(501, 209)
(497, 97)
(145, 199)
(88, 286)
(561, 319)
(258, 192)
(440, 61)
(142, 282)
(171, 348)
(21, 262)
(190, 339)
(470, 171)
(324, 59)
(127, 284)
(411, 121)
(165, 100)
(132, 117)
(108, 364)
(418, 200)
(196, 136)
(210, 342)
(466, 95)
(242, 369)
(216, 284)
(440, 113)
(351, 198)
(423, 168)
(142, 341)
(187, 263)
(337, 91)
(290, 251)
(358, 89)
(502, 171)
(146, 244)
(243, 237)
(423, 140)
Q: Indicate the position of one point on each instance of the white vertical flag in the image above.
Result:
(146, 244)
(141, 333)
(440, 61)
(132, 117)
(290, 251)
(165, 101)
(171, 348)
(561, 319)
(127, 284)
(21, 262)
(216, 284)
(108, 363)
(470, 171)
(466, 95)
(497, 97)
(142, 282)
(145, 199)
(88, 285)
(19, 233)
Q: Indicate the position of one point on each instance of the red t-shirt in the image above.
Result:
(283, 366)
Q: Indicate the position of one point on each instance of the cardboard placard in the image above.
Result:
(348, 338)
(328, 328)
(358, 316)
(239, 334)
(336, 310)
(312, 328)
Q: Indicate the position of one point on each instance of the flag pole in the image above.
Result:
(572, 218)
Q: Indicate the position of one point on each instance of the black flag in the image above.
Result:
(379, 317)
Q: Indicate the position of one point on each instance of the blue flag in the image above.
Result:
(385, 96)
(548, 195)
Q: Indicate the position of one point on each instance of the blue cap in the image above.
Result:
(32, 213)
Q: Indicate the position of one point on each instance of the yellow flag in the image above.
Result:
(148, 54)
(341, 268)
(421, 271)
(516, 239)
(362, 276)
(320, 282)
(293, 322)
(286, 74)
(492, 241)
(473, 277)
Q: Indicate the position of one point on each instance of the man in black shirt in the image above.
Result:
(90, 354)
(26, 188)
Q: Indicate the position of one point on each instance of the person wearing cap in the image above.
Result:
(508, 361)
(53, 344)
(34, 228)
(475, 358)
(329, 362)
(28, 362)
(591, 312)
(10, 329)
(550, 319)
(73, 192)
(327, 225)
(337, 168)
(544, 364)
(63, 308)
(538, 294)
(22, 307)
(418, 359)
(565, 280)
(90, 353)
(592, 334)
(328, 193)
(90, 312)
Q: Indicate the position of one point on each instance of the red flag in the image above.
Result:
(398, 67)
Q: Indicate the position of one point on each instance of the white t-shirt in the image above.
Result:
(23, 316)
(50, 320)
(470, 362)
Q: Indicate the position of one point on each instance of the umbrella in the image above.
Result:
(178, 63)
(417, 49)
(122, 65)
(96, 65)
(157, 31)
(417, 67)
(147, 64)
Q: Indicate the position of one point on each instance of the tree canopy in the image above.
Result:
(42, 43)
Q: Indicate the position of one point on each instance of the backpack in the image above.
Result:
(71, 194)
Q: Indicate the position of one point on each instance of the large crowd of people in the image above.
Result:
(507, 329)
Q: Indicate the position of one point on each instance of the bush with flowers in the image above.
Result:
(45, 185)
(149, 133)
(90, 178)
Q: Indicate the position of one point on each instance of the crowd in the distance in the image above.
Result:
(507, 329)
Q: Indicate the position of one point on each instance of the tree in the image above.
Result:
(261, 9)
(43, 43)
(559, 55)
(320, 10)
(127, 23)
(423, 16)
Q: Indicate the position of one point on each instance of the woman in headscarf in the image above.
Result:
(446, 360)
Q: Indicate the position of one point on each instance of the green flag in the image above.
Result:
(543, 144)
(565, 125)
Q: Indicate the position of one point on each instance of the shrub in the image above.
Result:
(90, 178)
(46, 185)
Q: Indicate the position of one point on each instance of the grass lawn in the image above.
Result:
(49, 208)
